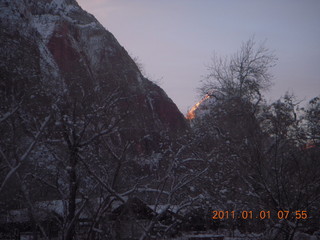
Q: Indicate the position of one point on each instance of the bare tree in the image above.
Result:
(282, 173)
(312, 116)
(244, 74)
(14, 164)
(255, 149)
(80, 124)
(14, 159)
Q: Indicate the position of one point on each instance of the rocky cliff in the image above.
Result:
(52, 48)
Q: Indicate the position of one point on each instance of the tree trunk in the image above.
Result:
(73, 187)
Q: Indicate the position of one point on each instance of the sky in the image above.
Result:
(175, 40)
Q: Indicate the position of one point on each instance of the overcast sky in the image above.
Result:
(175, 39)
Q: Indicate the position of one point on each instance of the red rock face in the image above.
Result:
(192, 112)
(62, 51)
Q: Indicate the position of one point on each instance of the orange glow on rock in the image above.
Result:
(192, 112)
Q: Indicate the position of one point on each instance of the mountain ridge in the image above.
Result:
(70, 52)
